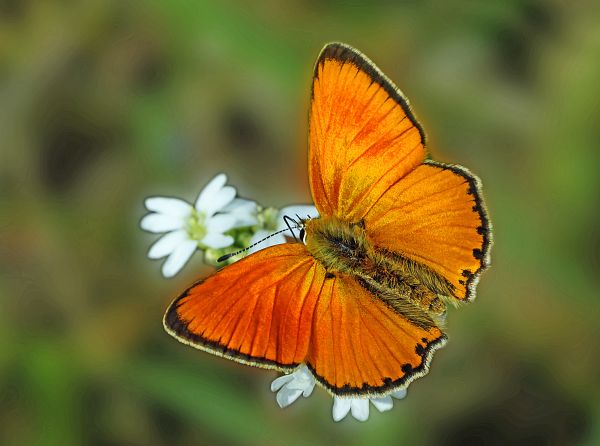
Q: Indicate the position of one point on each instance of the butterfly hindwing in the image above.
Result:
(437, 217)
(361, 346)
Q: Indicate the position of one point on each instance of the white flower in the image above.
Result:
(188, 227)
(359, 407)
(302, 382)
(272, 222)
(290, 387)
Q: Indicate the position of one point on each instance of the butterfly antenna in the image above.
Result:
(308, 217)
(287, 220)
(232, 254)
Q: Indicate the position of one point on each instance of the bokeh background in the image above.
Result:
(105, 102)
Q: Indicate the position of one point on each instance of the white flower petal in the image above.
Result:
(305, 376)
(341, 407)
(360, 408)
(217, 241)
(303, 379)
(161, 223)
(178, 258)
(383, 404)
(287, 396)
(304, 372)
(243, 210)
(399, 394)
(168, 206)
(290, 387)
(215, 196)
(308, 390)
(220, 223)
(240, 204)
(167, 244)
(295, 211)
(219, 200)
(278, 383)
(243, 221)
(213, 187)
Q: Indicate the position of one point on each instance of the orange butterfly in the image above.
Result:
(362, 301)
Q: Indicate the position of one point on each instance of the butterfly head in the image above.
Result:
(299, 223)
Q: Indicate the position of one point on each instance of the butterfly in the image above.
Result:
(362, 300)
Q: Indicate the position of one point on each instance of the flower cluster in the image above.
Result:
(302, 382)
(220, 223)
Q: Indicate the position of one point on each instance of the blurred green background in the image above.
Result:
(103, 103)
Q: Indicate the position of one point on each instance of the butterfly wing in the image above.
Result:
(363, 136)
(258, 310)
(367, 162)
(437, 217)
(362, 346)
(276, 309)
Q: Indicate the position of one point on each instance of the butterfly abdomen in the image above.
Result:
(343, 247)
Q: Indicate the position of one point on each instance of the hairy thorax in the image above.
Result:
(409, 287)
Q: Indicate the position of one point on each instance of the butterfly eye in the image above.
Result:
(303, 235)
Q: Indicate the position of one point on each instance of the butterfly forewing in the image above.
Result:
(363, 136)
(258, 310)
